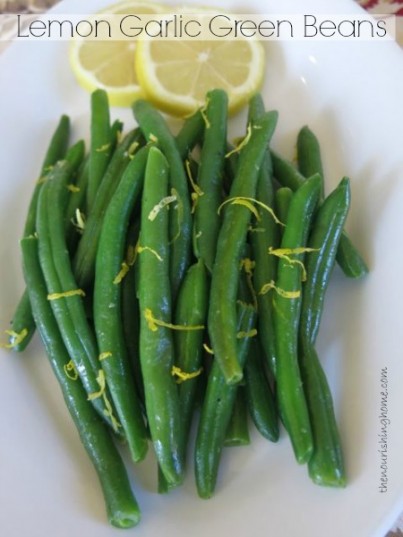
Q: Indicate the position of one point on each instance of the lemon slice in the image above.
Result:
(175, 75)
(108, 64)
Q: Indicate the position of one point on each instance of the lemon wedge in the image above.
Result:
(176, 75)
(108, 64)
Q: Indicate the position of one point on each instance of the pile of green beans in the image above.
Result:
(178, 280)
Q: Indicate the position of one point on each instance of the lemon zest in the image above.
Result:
(249, 333)
(16, 338)
(70, 370)
(208, 349)
(141, 249)
(79, 222)
(101, 380)
(285, 294)
(104, 355)
(103, 148)
(195, 186)
(163, 203)
(66, 294)
(133, 148)
(73, 188)
(122, 273)
(256, 229)
(102, 386)
(131, 255)
(242, 143)
(248, 265)
(182, 375)
(284, 253)
(296, 251)
(154, 323)
(238, 199)
(119, 136)
(204, 115)
(179, 208)
(109, 414)
(197, 191)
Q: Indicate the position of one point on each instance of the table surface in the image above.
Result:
(373, 6)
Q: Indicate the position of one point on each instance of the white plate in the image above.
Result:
(351, 96)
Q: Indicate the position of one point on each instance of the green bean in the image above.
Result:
(217, 409)
(116, 132)
(230, 166)
(190, 134)
(287, 307)
(102, 140)
(107, 305)
(156, 342)
(349, 259)
(309, 158)
(310, 162)
(75, 156)
(180, 222)
(191, 310)
(285, 172)
(84, 260)
(121, 506)
(324, 238)
(207, 221)
(56, 151)
(130, 310)
(260, 399)
(237, 433)
(22, 325)
(68, 310)
(326, 465)
(282, 200)
(22, 321)
(231, 240)
(264, 236)
(77, 203)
